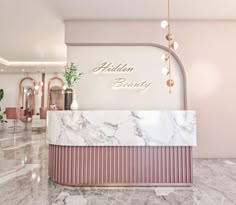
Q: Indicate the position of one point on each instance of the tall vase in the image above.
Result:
(68, 98)
(74, 105)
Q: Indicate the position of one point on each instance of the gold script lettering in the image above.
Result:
(124, 83)
(108, 67)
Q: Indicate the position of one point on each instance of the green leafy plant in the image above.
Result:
(2, 119)
(71, 74)
(1, 94)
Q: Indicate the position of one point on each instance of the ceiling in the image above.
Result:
(145, 9)
(33, 30)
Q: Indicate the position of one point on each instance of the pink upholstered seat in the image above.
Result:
(13, 113)
(43, 112)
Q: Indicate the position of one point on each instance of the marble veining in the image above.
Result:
(122, 128)
(24, 181)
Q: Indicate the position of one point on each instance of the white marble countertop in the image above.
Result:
(121, 128)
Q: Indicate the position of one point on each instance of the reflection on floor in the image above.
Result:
(23, 180)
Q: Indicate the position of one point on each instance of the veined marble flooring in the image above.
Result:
(24, 181)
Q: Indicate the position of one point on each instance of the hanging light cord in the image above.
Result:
(169, 45)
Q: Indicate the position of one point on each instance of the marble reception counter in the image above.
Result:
(122, 128)
(121, 148)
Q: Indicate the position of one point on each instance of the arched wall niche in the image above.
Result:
(55, 93)
(95, 90)
(26, 95)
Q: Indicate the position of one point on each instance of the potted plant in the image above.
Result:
(71, 76)
(2, 119)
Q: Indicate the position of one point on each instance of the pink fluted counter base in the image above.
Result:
(120, 166)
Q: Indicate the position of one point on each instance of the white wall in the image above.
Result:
(94, 91)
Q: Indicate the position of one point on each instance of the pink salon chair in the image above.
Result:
(15, 114)
(43, 112)
(43, 115)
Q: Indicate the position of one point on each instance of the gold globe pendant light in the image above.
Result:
(165, 24)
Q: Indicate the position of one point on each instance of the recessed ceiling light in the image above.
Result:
(3, 61)
(22, 70)
(31, 63)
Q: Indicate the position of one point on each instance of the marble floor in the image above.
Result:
(24, 181)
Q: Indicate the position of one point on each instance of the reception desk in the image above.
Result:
(121, 148)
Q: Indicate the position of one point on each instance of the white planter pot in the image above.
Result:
(74, 104)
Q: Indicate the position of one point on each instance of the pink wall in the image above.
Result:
(207, 53)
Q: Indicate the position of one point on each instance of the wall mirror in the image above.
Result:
(26, 99)
(56, 93)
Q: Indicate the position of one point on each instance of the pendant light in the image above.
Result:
(166, 57)
(38, 84)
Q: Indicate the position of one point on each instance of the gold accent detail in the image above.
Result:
(124, 83)
(124, 184)
(169, 37)
(20, 93)
(108, 67)
(68, 91)
(49, 87)
(121, 83)
(167, 57)
(170, 83)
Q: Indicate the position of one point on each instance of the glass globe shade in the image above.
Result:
(36, 87)
(165, 71)
(175, 45)
(164, 24)
(164, 57)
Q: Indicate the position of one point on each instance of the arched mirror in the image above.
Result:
(26, 98)
(56, 93)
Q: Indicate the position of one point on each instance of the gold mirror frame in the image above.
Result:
(20, 93)
(49, 86)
